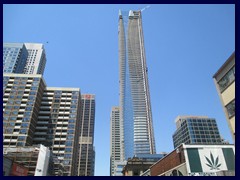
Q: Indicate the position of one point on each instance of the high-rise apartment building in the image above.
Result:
(137, 136)
(86, 159)
(115, 151)
(58, 125)
(35, 114)
(24, 58)
(14, 57)
(224, 80)
(22, 96)
(196, 130)
(36, 60)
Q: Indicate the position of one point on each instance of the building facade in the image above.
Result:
(115, 151)
(14, 57)
(224, 80)
(58, 125)
(21, 104)
(137, 136)
(86, 157)
(35, 114)
(24, 58)
(196, 130)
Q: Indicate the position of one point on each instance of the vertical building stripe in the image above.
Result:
(229, 158)
(194, 160)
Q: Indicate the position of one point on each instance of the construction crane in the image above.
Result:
(145, 8)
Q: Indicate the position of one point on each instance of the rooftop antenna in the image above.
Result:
(144, 8)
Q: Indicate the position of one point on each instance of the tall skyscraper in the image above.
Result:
(86, 159)
(115, 151)
(137, 136)
(35, 114)
(224, 80)
(24, 58)
(196, 130)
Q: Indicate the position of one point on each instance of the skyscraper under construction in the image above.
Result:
(137, 136)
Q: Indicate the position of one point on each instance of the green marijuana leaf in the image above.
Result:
(213, 164)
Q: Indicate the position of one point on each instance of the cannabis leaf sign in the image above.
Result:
(213, 164)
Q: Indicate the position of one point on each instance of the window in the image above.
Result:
(15, 112)
(71, 121)
(74, 97)
(35, 79)
(32, 93)
(67, 156)
(28, 108)
(70, 137)
(13, 118)
(27, 114)
(72, 115)
(20, 144)
(34, 83)
(11, 124)
(23, 131)
(231, 108)
(58, 96)
(33, 88)
(26, 119)
(66, 162)
(70, 131)
(57, 100)
(73, 106)
(24, 124)
(31, 97)
(5, 118)
(9, 130)
(68, 150)
(73, 110)
(227, 79)
(71, 126)
(21, 138)
(30, 102)
(68, 143)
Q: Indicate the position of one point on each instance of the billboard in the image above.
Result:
(208, 160)
(18, 170)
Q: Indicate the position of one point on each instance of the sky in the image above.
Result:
(185, 45)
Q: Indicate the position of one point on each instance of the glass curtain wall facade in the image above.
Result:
(137, 135)
(196, 130)
(86, 159)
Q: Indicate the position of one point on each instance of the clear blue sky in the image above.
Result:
(185, 45)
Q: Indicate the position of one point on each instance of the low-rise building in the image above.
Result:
(196, 160)
(32, 160)
(140, 163)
